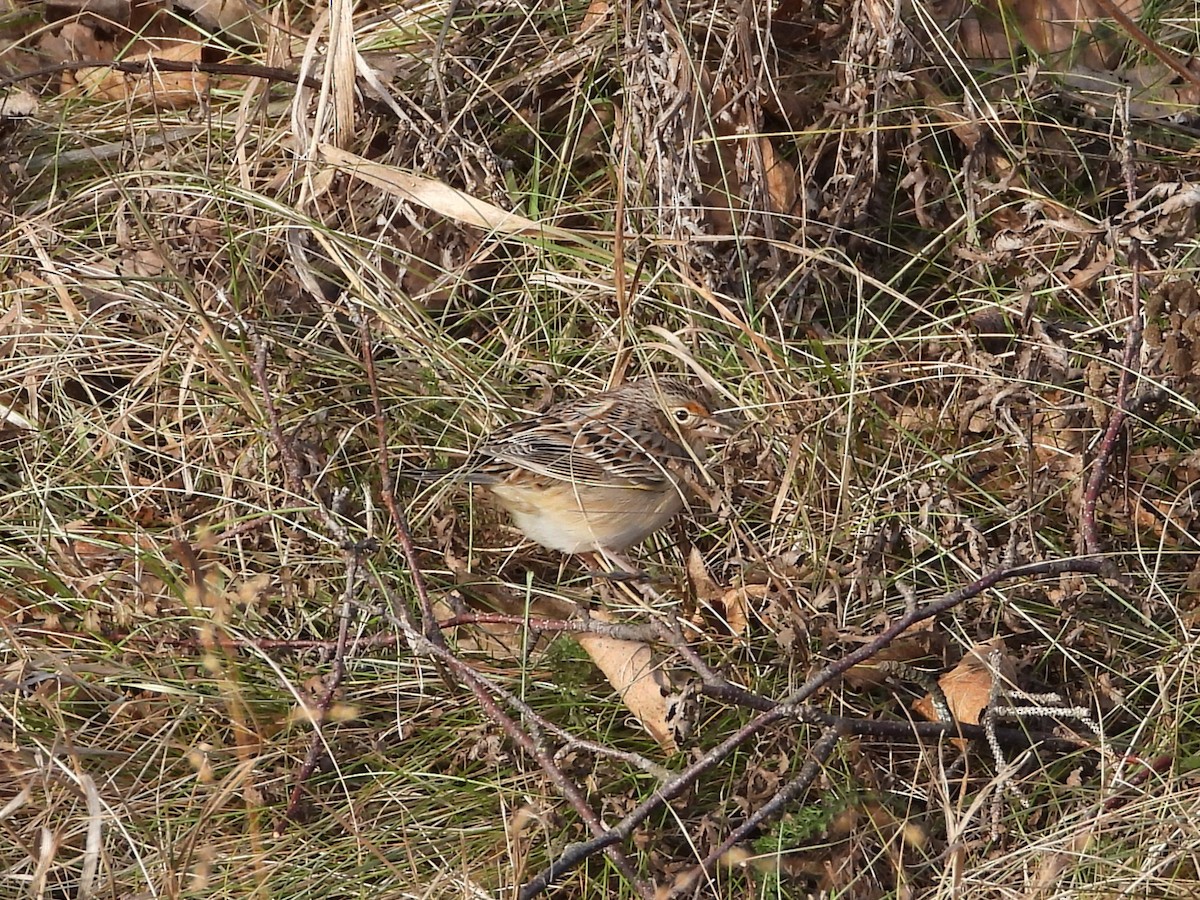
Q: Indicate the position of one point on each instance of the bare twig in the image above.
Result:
(620, 631)
(484, 691)
(793, 790)
(1122, 404)
(719, 688)
(1087, 565)
(375, 640)
(293, 474)
(334, 682)
(294, 480)
(153, 64)
(1152, 46)
(577, 853)
(1156, 765)
(896, 730)
(429, 625)
(430, 642)
(793, 707)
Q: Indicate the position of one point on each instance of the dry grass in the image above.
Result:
(917, 301)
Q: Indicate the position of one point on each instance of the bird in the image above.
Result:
(598, 473)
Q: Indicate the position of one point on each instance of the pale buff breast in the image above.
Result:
(582, 518)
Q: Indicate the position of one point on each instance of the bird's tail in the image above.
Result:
(456, 473)
(412, 473)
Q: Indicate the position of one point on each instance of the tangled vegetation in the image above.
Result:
(927, 629)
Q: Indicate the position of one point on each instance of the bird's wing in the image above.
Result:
(587, 451)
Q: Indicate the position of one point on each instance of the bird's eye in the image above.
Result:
(683, 415)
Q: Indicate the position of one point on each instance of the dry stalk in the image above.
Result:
(294, 479)
(1122, 404)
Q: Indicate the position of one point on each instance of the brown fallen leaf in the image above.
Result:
(731, 604)
(1155, 91)
(638, 677)
(739, 164)
(597, 12)
(702, 583)
(165, 90)
(74, 41)
(905, 649)
(631, 667)
(18, 104)
(965, 127)
(440, 197)
(968, 686)
(1045, 880)
(1076, 30)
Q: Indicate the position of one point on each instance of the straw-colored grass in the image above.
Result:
(923, 366)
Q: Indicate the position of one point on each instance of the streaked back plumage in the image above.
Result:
(601, 472)
(626, 436)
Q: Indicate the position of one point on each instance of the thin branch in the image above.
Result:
(793, 790)
(1087, 565)
(483, 691)
(577, 853)
(294, 481)
(153, 64)
(620, 631)
(714, 685)
(793, 707)
(375, 640)
(429, 625)
(1152, 46)
(1122, 405)
(292, 473)
(323, 705)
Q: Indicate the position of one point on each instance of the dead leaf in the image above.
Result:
(440, 197)
(1046, 878)
(732, 605)
(739, 163)
(737, 605)
(706, 589)
(904, 649)
(966, 129)
(73, 42)
(524, 817)
(1077, 31)
(1155, 90)
(17, 104)
(968, 686)
(165, 90)
(780, 177)
(597, 12)
(1084, 278)
(637, 676)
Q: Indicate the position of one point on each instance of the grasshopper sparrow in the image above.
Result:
(601, 472)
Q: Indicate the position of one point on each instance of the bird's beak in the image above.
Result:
(720, 426)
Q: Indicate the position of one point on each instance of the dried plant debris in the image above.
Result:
(1087, 44)
(940, 271)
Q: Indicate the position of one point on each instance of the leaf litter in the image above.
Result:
(910, 276)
